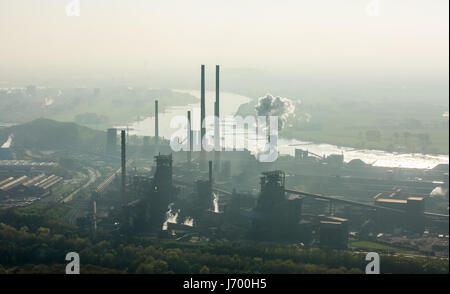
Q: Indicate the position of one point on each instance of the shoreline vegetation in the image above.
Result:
(346, 123)
(93, 108)
(383, 126)
(35, 242)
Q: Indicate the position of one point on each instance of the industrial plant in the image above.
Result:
(306, 199)
(217, 138)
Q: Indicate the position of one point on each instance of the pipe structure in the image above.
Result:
(210, 171)
(189, 137)
(156, 122)
(124, 175)
(202, 118)
(217, 122)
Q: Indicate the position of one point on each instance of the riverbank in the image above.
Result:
(233, 106)
(382, 125)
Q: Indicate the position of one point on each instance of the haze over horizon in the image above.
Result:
(134, 40)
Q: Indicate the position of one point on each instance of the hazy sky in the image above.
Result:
(311, 35)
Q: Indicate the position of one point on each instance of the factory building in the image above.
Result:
(17, 167)
(333, 234)
(415, 218)
(410, 216)
(204, 192)
(274, 211)
(28, 187)
(147, 213)
(333, 231)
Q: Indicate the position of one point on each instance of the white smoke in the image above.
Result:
(7, 144)
(438, 192)
(171, 217)
(216, 202)
(308, 117)
(189, 222)
(48, 101)
(270, 105)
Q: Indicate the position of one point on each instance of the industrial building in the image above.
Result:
(214, 194)
(27, 187)
(410, 217)
(333, 232)
(275, 211)
(15, 167)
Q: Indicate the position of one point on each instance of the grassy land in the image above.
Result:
(50, 134)
(382, 125)
(111, 106)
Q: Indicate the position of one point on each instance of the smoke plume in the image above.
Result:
(275, 106)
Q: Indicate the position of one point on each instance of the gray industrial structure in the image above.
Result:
(156, 123)
(412, 218)
(196, 194)
(25, 186)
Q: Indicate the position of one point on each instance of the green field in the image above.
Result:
(111, 106)
(383, 125)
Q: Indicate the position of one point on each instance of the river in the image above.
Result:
(230, 102)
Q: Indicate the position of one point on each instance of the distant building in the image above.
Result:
(28, 187)
(333, 234)
(277, 218)
(301, 154)
(10, 167)
(333, 231)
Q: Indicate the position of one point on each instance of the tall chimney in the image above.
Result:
(189, 137)
(217, 123)
(202, 118)
(202, 103)
(210, 172)
(123, 166)
(95, 215)
(216, 111)
(234, 138)
(156, 122)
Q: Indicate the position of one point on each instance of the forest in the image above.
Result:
(42, 247)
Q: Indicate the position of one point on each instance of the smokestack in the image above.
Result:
(217, 122)
(189, 137)
(95, 216)
(123, 166)
(202, 104)
(234, 138)
(156, 122)
(210, 172)
(202, 118)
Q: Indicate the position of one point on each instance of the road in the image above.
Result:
(79, 205)
(92, 179)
